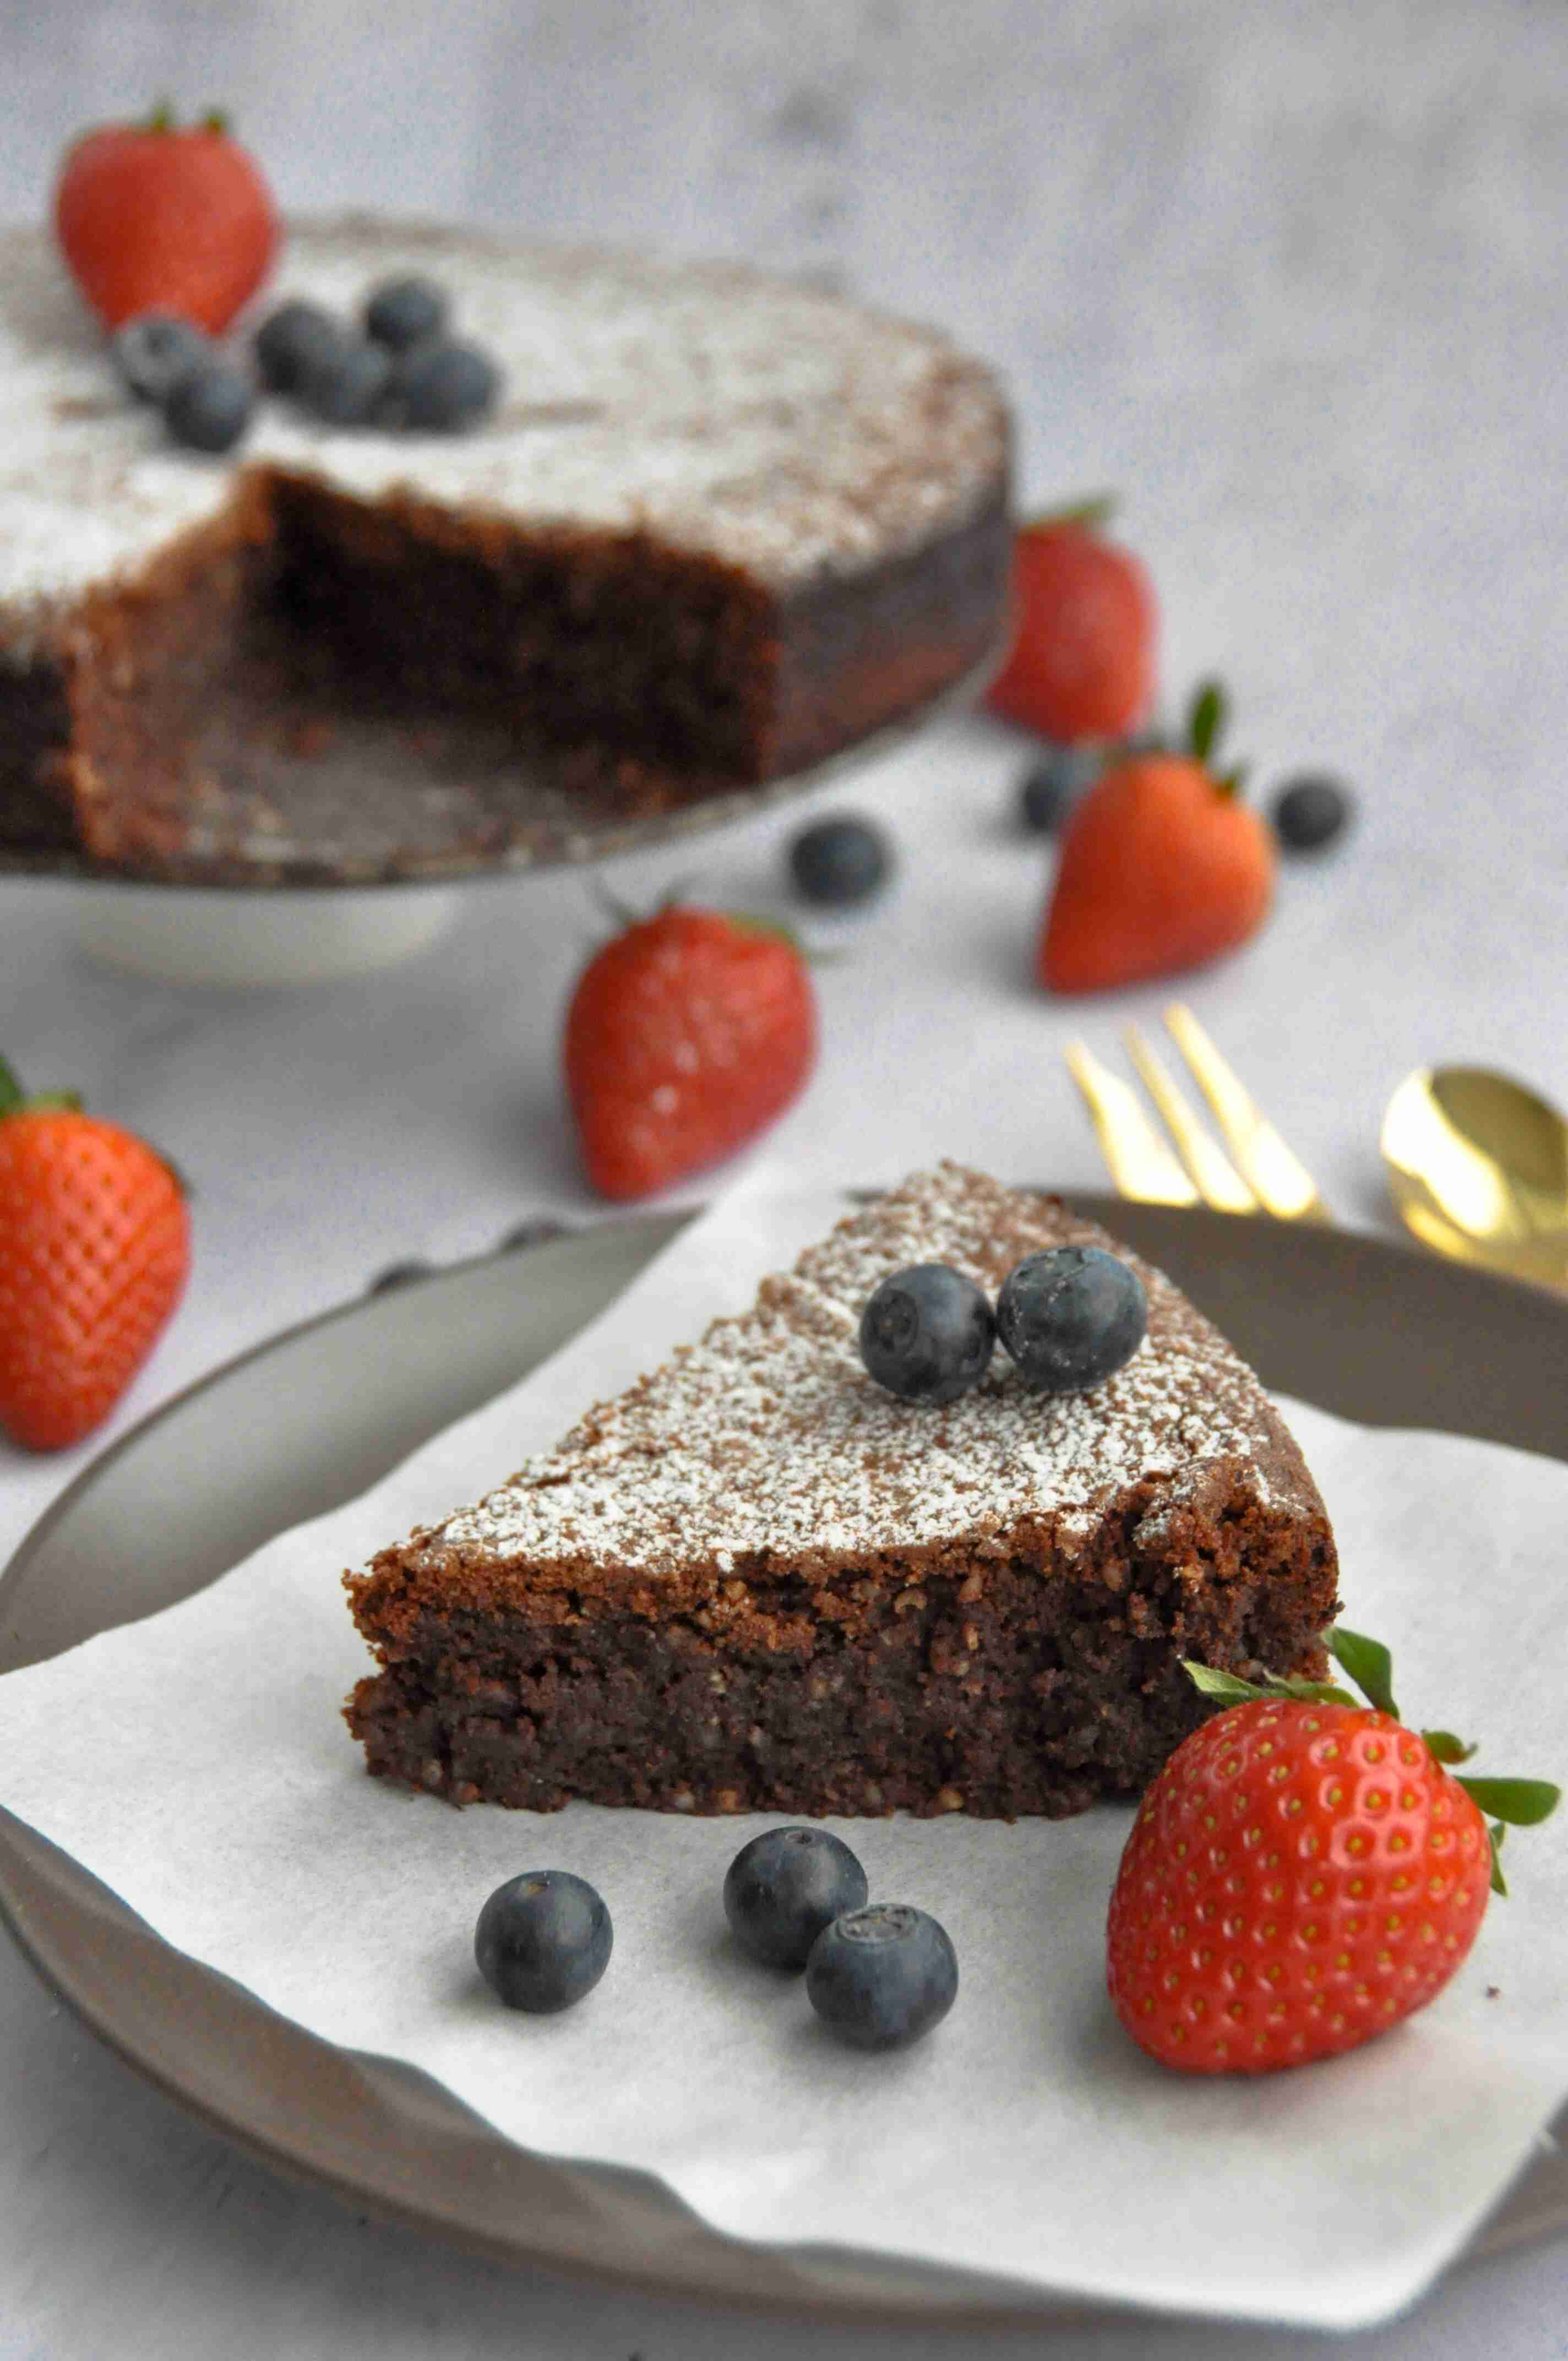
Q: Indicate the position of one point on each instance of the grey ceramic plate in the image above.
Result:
(1364, 1328)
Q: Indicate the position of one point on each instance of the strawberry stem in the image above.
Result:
(162, 117)
(218, 119)
(10, 1090)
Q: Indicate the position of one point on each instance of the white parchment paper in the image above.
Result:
(212, 1782)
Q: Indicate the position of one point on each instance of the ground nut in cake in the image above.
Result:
(755, 1581)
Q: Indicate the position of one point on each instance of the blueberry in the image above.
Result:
(209, 408)
(403, 312)
(1050, 786)
(155, 350)
(841, 861)
(346, 385)
(784, 1887)
(444, 385)
(294, 338)
(1070, 1317)
(1310, 812)
(927, 1334)
(543, 1941)
(882, 1977)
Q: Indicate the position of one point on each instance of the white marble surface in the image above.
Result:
(1291, 280)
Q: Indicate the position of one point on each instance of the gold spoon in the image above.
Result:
(1478, 1167)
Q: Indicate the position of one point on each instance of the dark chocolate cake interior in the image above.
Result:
(757, 1583)
(263, 668)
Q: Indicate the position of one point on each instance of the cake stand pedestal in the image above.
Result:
(220, 936)
(320, 867)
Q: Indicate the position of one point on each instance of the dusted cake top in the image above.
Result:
(752, 419)
(769, 1435)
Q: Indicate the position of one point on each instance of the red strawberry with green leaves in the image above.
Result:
(687, 1034)
(1304, 1873)
(94, 1252)
(1085, 624)
(1163, 867)
(151, 216)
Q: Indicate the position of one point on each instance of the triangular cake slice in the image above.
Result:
(756, 1582)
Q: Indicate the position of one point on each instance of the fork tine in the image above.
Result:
(1219, 1183)
(1282, 1182)
(1141, 1164)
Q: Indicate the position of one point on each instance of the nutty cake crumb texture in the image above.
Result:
(755, 1581)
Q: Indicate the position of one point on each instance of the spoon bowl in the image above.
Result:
(1478, 1167)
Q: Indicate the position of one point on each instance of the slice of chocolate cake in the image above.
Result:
(757, 1582)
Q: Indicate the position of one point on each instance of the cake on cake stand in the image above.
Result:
(393, 867)
(265, 714)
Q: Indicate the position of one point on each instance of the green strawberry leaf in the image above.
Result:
(1095, 509)
(754, 922)
(1521, 1803)
(1446, 1748)
(175, 1174)
(623, 915)
(1369, 1664)
(14, 1100)
(1230, 1689)
(1499, 1883)
(1206, 720)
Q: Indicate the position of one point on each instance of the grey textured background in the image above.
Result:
(1290, 279)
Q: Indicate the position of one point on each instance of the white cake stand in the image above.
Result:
(385, 885)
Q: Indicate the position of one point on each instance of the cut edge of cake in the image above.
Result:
(207, 663)
(754, 1582)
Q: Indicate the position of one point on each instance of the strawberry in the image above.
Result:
(94, 1250)
(151, 218)
(1162, 867)
(1082, 659)
(1303, 1873)
(688, 1033)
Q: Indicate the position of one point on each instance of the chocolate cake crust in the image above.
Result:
(757, 1582)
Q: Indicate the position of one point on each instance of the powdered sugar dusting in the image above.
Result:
(752, 419)
(769, 1437)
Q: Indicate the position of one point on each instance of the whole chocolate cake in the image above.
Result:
(757, 1582)
(718, 527)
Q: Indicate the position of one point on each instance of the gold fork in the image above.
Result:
(1259, 1175)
